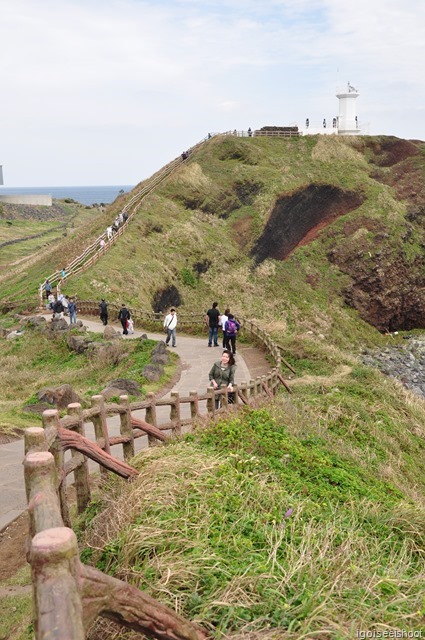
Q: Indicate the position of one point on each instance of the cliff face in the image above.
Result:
(387, 273)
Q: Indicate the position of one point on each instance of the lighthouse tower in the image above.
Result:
(347, 119)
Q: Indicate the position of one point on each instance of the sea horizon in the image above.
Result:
(88, 195)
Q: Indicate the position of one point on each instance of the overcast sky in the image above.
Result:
(105, 92)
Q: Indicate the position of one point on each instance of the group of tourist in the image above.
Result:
(227, 323)
(222, 373)
(62, 305)
(113, 228)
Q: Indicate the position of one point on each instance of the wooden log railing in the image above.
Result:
(68, 595)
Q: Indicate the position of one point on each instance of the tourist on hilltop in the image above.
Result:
(125, 216)
(222, 322)
(109, 232)
(63, 273)
(222, 374)
(211, 319)
(123, 316)
(102, 244)
(47, 288)
(103, 309)
(72, 308)
(249, 131)
(170, 324)
(231, 328)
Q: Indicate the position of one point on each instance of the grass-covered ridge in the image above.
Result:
(306, 517)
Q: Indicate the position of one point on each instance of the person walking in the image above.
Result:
(47, 288)
(72, 310)
(170, 324)
(103, 311)
(211, 319)
(123, 316)
(223, 319)
(222, 374)
(231, 328)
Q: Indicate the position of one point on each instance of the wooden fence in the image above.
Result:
(69, 595)
(93, 252)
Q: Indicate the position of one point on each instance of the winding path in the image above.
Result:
(196, 360)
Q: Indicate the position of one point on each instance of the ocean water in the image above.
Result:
(85, 195)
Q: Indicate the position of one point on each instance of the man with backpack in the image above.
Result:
(123, 316)
(231, 329)
(58, 309)
(211, 320)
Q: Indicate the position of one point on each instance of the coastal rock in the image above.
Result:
(405, 363)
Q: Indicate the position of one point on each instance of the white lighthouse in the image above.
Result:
(347, 119)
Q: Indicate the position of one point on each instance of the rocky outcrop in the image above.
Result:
(405, 363)
(59, 397)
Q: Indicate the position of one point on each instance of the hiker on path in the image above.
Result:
(170, 324)
(123, 316)
(47, 288)
(103, 309)
(231, 328)
(222, 374)
(72, 309)
(63, 273)
(222, 321)
(211, 319)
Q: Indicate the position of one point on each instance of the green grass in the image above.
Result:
(250, 528)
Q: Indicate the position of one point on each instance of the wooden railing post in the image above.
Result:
(194, 404)
(211, 401)
(236, 399)
(58, 607)
(150, 414)
(41, 488)
(252, 388)
(35, 440)
(81, 473)
(101, 428)
(50, 419)
(259, 385)
(175, 413)
(126, 429)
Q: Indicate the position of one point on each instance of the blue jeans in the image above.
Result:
(171, 333)
(73, 317)
(213, 335)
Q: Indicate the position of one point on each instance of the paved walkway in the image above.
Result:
(196, 361)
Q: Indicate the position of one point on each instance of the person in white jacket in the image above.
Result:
(170, 324)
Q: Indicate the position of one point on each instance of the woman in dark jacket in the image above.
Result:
(222, 374)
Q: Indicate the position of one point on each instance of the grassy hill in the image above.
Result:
(321, 240)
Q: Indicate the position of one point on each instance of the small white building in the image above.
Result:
(347, 120)
(345, 124)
